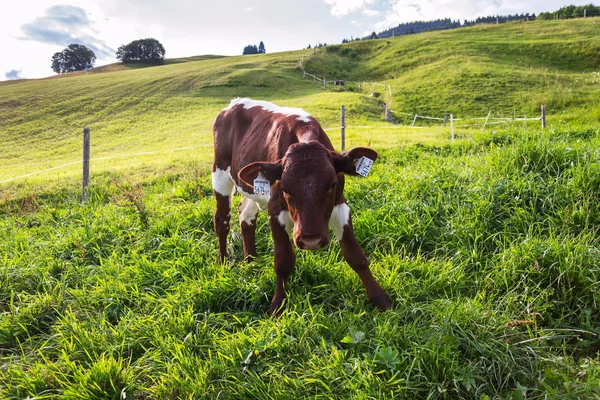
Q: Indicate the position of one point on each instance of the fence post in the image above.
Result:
(452, 126)
(414, 119)
(584, 12)
(324, 82)
(486, 121)
(86, 163)
(304, 74)
(445, 118)
(543, 116)
(343, 127)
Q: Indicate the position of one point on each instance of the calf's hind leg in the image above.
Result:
(223, 186)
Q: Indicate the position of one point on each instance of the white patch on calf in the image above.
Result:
(285, 220)
(222, 182)
(340, 216)
(267, 106)
(248, 211)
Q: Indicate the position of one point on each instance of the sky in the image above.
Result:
(31, 31)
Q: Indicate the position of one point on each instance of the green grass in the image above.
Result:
(489, 250)
(488, 245)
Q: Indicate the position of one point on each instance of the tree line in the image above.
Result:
(252, 49)
(408, 28)
(572, 11)
(77, 57)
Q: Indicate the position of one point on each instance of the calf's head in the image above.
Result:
(310, 180)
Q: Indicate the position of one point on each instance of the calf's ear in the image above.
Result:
(346, 162)
(271, 171)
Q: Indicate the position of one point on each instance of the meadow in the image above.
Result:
(488, 245)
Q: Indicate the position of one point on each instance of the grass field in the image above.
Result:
(488, 245)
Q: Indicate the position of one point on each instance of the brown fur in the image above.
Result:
(307, 179)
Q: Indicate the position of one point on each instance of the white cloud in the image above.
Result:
(339, 8)
(370, 13)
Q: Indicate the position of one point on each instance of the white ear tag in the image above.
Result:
(262, 186)
(363, 166)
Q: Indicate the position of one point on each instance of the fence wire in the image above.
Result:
(101, 159)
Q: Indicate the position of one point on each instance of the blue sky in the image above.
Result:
(32, 31)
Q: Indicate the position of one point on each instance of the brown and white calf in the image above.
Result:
(281, 160)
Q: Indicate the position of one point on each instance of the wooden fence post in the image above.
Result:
(543, 116)
(452, 126)
(486, 120)
(324, 82)
(86, 163)
(343, 127)
(445, 118)
(413, 123)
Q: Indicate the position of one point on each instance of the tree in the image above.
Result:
(75, 57)
(143, 50)
(261, 48)
(374, 35)
(250, 49)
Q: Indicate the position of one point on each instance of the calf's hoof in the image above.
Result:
(277, 306)
(381, 300)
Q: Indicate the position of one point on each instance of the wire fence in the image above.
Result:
(101, 159)
(369, 86)
(442, 125)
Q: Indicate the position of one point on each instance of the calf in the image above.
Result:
(280, 160)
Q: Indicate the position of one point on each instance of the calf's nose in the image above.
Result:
(312, 242)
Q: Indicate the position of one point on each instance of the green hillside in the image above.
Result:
(488, 245)
(508, 69)
(513, 67)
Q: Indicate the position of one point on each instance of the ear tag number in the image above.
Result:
(363, 166)
(262, 186)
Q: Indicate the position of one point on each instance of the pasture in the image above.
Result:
(488, 245)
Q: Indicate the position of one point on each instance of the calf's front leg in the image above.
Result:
(285, 257)
(341, 223)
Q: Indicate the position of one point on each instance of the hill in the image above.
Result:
(507, 69)
(513, 67)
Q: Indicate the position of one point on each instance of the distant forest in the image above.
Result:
(571, 11)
